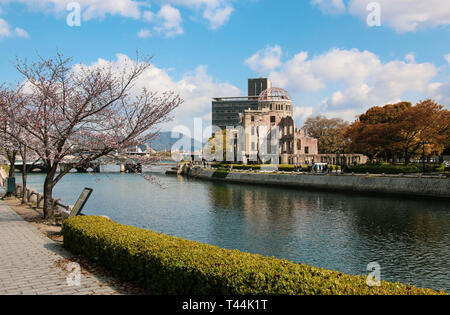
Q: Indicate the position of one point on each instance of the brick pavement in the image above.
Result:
(30, 262)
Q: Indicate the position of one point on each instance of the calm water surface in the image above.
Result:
(409, 238)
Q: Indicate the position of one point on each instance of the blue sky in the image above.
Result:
(322, 51)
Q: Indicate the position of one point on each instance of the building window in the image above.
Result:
(306, 150)
(272, 119)
(299, 145)
(253, 146)
(253, 118)
(253, 131)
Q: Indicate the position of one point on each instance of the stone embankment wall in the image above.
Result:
(431, 187)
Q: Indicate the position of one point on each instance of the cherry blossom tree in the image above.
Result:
(77, 114)
(9, 146)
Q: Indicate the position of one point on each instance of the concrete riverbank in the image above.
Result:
(417, 186)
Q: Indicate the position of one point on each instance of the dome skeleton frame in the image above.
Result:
(274, 94)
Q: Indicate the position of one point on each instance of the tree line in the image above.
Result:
(392, 132)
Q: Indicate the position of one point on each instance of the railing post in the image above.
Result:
(56, 213)
(38, 201)
(18, 190)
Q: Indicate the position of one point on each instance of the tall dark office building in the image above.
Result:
(226, 110)
(256, 86)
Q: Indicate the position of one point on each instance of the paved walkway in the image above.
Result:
(30, 263)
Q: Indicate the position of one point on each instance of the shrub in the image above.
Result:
(169, 265)
(286, 168)
(430, 168)
(6, 168)
(383, 169)
(220, 165)
(247, 167)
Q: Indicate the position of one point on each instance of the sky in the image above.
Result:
(336, 58)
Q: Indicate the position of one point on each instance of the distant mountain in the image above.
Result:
(166, 142)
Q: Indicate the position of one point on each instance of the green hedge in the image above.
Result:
(247, 167)
(430, 168)
(383, 169)
(169, 265)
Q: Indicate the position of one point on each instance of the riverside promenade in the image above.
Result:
(31, 263)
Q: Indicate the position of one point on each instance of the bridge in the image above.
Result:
(30, 167)
(93, 167)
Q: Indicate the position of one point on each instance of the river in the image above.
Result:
(409, 238)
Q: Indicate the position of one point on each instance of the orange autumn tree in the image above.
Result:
(401, 130)
(374, 132)
(424, 127)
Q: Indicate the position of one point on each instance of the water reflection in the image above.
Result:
(409, 238)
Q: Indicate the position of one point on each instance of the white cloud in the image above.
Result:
(267, 59)
(21, 32)
(441, 92)
(5, 30)
(218, 16)
(92, 9)
(148, 16)
(403, 16)
(350, 81)
(144, 33)
(217, 12)
(330, 6)
(447, 58)
(409, 15)
(410, 58)
(197, 88)
(170, 24)
(303, 112)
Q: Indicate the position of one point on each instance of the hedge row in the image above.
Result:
(430, 168)
(247, 167)
(243, 167)
(281, 168)
(383, 169)
(169, 265)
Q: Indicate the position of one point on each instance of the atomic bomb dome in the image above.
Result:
(276, 99)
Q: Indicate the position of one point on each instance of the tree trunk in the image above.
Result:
(48, 194)
(24, 174)
(12, 162)
(407, 158)
(12, 169)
